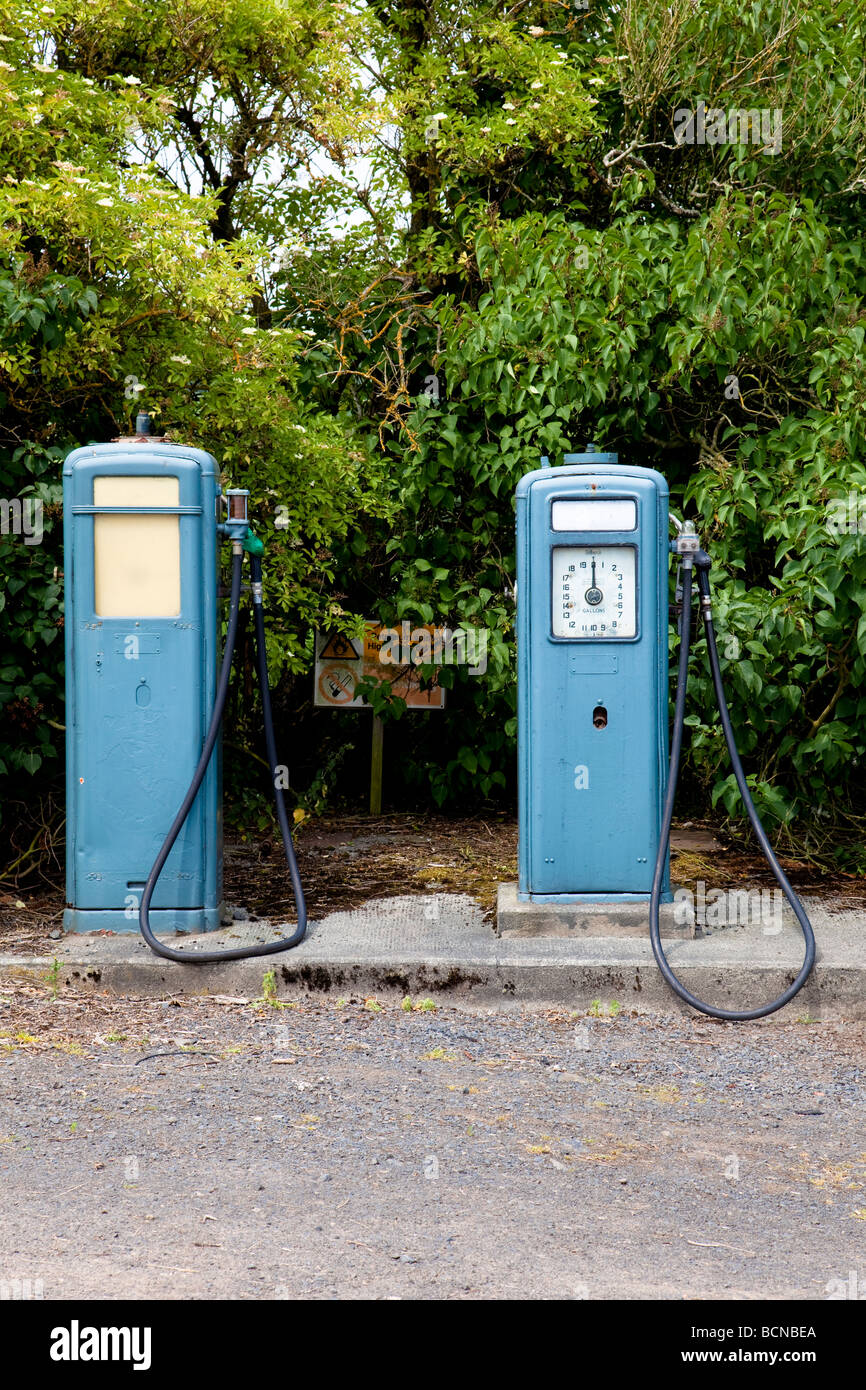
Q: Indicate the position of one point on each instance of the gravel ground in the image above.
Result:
(205, 1149)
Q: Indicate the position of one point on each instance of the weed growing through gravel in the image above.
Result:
(53, 979)
(599, 1010)
(424, 1006)
(268, 998)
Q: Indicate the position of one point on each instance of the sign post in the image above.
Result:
(376, 767)
(343, 662)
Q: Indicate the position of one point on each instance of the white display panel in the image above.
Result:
(136, 559)
(601, 514)
(594, 592)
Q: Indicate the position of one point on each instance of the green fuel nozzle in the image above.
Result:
(252, 544)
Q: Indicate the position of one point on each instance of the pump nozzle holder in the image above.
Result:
(687, 541)
(236, 524)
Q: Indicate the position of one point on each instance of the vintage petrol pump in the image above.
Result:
(142, 523)
(596, 786)
(592, 586)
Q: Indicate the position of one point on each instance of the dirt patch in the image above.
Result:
(347, 861)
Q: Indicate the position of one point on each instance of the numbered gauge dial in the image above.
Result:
(594, 591)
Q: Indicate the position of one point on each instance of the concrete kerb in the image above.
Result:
(444, 948)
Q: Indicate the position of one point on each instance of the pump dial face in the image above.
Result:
(594, 592)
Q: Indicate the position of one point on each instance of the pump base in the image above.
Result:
(165, 920)
(577, 914)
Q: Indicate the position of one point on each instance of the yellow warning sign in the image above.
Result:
(339, 648)
(341, 663)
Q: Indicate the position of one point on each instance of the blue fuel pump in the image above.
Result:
(592, 548)
(142, 521)
(596, 787)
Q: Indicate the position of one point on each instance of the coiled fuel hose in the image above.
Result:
(702, 562)
(265, 948)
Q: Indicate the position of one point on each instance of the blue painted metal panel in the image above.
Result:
(135, 725)
(590, 799)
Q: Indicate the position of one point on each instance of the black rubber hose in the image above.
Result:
(265, 948)
(733, 1015)
(271, 749)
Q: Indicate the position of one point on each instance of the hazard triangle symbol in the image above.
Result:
(338, 648)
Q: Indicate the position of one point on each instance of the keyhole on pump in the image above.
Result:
(599, 717)
(142, 694)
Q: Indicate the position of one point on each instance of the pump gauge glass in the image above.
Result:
(594, 592)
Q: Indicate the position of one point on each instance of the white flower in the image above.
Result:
(179, 357)
(44, 67)
(132, 81)
(508, 105)
(486, 129)
(6, 38)
(536, 86)
(88, 81)
(439, 116)
(7, 67)
(535, 31)
(511, 121)
(104, 203)
(249, 330)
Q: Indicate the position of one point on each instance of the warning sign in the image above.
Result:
(336, 685)
(341, 663)
(337, 648)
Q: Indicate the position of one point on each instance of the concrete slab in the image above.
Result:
(443, 947)
(575, 920)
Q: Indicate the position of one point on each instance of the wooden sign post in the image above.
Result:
(342, 662)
